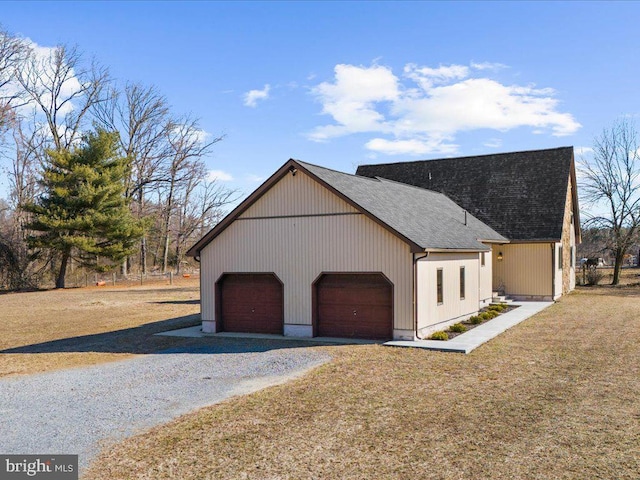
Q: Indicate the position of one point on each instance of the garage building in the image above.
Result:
(316, 252)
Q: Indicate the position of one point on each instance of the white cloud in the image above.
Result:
(493, 143)
(579, 151)
(201, 136)
(423, 111)
(410, 147)
(427, 77)
(252, 97)
(352, 98)
(219, 175)
(488, 66)
(254, 178)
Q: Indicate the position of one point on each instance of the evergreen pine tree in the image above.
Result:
(83, 213)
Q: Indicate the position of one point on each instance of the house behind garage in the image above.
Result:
(315, 252)
(529, 197)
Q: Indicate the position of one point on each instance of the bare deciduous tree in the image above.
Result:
(63, 90)
(13, 52)
(611, 185)
(141, 115)
(187, 148)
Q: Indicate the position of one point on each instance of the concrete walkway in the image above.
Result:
(472, 339)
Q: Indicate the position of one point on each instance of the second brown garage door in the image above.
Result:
(250, 303)
(354, 306)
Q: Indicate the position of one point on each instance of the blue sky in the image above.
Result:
(340, 84)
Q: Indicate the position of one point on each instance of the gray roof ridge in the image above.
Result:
(353, 175)
(387, 180)
(500, 154)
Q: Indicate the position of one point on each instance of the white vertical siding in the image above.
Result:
(525, 269)
(299, 248)
(572, 261)
(558, 273)
(429, 312)
(568, 241)
(485, 282)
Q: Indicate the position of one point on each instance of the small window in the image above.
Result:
(461, 283)
(560, 257)
(573, 257)
(482, 254)
(439, 286)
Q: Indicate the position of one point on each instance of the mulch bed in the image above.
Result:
(471, 326)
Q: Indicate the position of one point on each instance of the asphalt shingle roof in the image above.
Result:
(520, 194)
(427, 218)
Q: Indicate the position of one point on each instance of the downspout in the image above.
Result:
(553, 271)
(196, 257)
(415, 293)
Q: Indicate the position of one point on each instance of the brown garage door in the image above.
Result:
(251, 303)
(354, 306)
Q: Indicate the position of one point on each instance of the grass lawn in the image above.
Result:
(48, 330)
(556, 397)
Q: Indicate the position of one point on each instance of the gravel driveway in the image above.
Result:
(78, 411)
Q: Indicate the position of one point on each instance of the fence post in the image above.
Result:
(86, 279)
(114, 279)
(170, 278)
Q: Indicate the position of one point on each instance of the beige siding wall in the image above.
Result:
(298, 249)
(525, 269)
(429, 312)
(299, 195)
(485, 282)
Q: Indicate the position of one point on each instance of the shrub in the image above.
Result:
(440, 335)
(496, 307)
(457, 328)
(489, 314)
(475, 320)
(594, 276)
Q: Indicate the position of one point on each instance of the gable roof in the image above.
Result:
(522, 195)
(424, 219)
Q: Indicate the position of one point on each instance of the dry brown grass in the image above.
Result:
(555, 397)
(47, 330)
(628, 276)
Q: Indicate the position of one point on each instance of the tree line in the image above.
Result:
(101, 174)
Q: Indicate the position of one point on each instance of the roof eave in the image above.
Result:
(493, 240)
(535, 240)
(456, 250)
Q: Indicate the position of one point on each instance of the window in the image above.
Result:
(482, 254)
(461, 283)
(439, 286)
(560, 257)
(573, 257)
